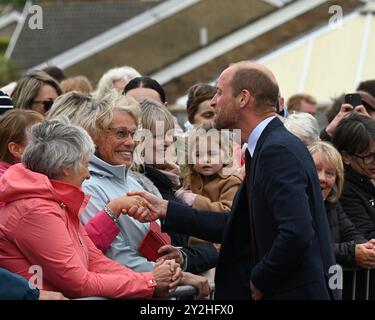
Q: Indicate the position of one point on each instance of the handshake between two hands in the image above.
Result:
(140, 205)
(145, 207)
(148, 207)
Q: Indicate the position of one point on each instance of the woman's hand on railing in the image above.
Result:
(167, 274)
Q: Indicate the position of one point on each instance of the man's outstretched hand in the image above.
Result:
(157, 208)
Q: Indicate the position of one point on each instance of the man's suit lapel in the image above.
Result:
(242, 196)
(269, 128)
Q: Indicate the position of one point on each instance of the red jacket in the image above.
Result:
(39, 225)
(3, 167)
(101, 229)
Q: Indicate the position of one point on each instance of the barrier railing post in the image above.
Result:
(367, 284)
(354, 283)
(212, 294)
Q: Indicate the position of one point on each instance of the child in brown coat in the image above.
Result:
(211, 181)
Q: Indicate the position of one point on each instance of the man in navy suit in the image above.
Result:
(275, 242)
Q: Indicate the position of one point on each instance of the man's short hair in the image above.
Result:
(263, 89)
(294, 102)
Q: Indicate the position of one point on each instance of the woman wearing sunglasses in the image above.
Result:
(36, 91)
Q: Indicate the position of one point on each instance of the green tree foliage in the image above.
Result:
(14, 2)
(8, 71)
(4, 42)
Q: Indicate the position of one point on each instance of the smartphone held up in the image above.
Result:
(354, 99)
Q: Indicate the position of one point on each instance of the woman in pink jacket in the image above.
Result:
(40, 228)
(13, 126)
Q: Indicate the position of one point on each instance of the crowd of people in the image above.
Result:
(104, 194)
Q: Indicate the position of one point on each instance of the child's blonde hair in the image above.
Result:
(151, 112)
(206, 130)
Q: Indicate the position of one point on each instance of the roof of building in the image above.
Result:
(66, 25)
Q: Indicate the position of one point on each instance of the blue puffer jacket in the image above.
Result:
(14, 287)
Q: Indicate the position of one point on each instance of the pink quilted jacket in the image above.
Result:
(39, 225)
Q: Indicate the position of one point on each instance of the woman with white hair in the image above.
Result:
(39, 225)
(304, 126)
(116, 78)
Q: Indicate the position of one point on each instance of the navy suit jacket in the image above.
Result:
(293, 247)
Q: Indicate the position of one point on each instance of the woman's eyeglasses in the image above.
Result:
(46, 103)
(122, 133)
(367, 159)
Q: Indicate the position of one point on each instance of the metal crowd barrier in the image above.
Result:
(354, 287)
(188, 293)
(181, 293)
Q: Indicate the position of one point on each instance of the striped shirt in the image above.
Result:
(5, 102)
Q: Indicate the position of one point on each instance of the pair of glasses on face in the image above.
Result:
(122, 133)
(367, 159)
(46, 103)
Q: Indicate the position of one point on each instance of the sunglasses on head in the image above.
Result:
(46, 103)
